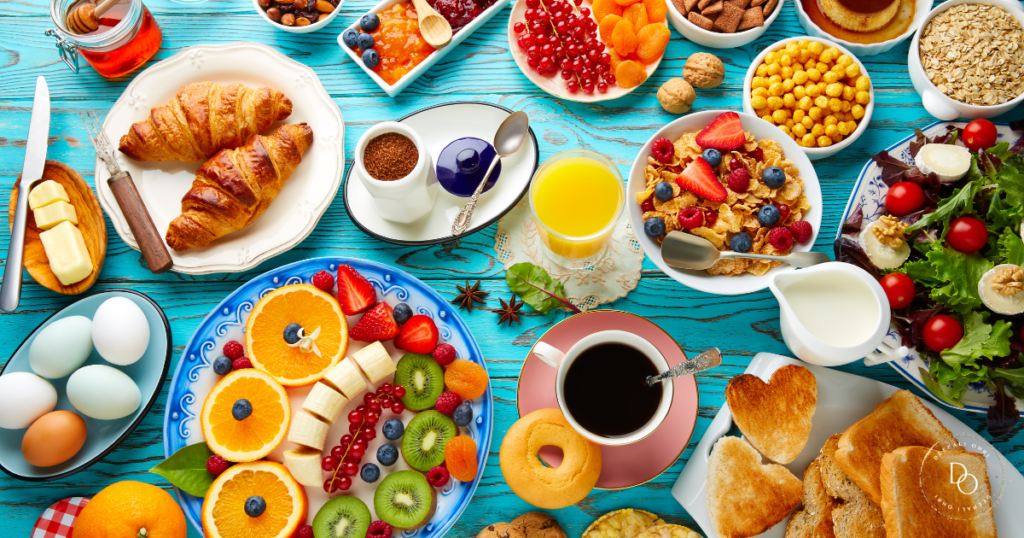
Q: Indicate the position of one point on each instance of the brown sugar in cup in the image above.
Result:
(390, 157)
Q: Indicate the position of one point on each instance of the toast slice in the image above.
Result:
(935, 493)
(814, 520)
(855, 515)
(746, 497)
(902, 420)
(775, 417)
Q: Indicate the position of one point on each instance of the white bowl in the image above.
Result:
(459, 37)
(862, 125)
(701, 280)
(921, 8)
(715, 39)
(939, 104)
(402, 200)
(299, 29)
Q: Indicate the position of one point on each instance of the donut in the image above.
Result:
(543, 486)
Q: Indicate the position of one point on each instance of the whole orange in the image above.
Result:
(131, 510)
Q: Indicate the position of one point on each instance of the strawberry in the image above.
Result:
(355, 293)
(724, 133)
(418, 335)
(700, 179)
(376, 324)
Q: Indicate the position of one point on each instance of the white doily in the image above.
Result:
(613, 275)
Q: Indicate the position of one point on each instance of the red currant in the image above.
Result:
(397, 408)
(357, 450)
(386, 403)
(519, 27)
(351, 459)
(345, 440)
(584, 11)
(353, 428)
(735, 164)
(328, 464)
(387, 388)
(330, 485)
(588, 88)
(572, 86)
(783, 210)
(609, 78)
(337, 452)
(355, 417)
(373, 416)
(361, 407)
(399, 391)
(374, 407)
(343, 482)
(602, 87)
(350, 469)
(369, 433)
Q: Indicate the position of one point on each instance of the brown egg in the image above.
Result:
(53, 439)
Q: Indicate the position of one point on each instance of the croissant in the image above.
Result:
(202, 119)
(236, 186)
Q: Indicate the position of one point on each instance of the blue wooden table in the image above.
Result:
(481, 69)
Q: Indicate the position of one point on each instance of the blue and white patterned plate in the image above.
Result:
(194, 378)
(869, 193)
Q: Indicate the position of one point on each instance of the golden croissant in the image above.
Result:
(236, 186)
(202, 119)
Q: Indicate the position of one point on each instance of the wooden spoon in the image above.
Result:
(86, 17)
(433, 26)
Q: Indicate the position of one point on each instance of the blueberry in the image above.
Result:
(713, 157)
(393, 429)
(387, 454)
(291, 333)
(369, 22)
(663, 191)
(463, 415)
(774, 177)
(370, 473)
(222, 366)
(654, 226)
(402, 313)
(768, 215)
(351, 38)
(242, 409)
(740, 242)
(255, 506)
(365, 41)
(371, 58)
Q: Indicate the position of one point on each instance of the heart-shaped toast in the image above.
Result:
(775, 417)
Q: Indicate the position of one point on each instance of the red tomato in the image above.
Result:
(899, 288)
(967, 234)
(942, 332)
(904, 198)
(980, 134)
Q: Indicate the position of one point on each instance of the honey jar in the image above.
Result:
(126, 38)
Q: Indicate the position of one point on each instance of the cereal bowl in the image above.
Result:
(862, 125)
(298, 29)
(921, 8)
(701, 280)
(715, 39)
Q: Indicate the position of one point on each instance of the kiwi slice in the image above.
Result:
(422, 378)
(405, 500)
(425, 439)
(342, 517)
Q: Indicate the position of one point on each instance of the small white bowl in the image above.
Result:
(715, 39)
(939, 104)
(921, 8)
(862, 125)
(406, 199)
(299, 29)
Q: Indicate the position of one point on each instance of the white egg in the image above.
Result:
(120, 331)
(24, 397)
(102, 392)
(62, 347)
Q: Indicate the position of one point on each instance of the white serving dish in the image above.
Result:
(701, 280)
(718, 40)
(937, 103)
(921, 8)
(299, 29)
(404, 82)
(842, 400)
(306, 195)
(862, 125)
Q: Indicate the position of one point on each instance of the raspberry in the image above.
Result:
(233, 350)
(379, 529)
(241, 363)
(324, 281)
(444, 354)
(780, 238)
(438, 476)
(739, 180)
(305, 531)
(216, 465)
(447, 402)
(663, 150)
(647, 205)
(783, 211)
(710, 217)
(801, 231)
(691, 217)
(735, 164)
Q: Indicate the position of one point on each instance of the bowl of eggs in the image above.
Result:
(80, 383)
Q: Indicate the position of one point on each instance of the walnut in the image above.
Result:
(889, 231)
(703, 70)
(1008, 280)
(676, 96)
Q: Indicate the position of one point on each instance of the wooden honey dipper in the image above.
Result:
(86, 17)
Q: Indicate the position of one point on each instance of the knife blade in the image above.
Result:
(31, 171)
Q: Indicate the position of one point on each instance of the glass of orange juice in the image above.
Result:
(576, 197)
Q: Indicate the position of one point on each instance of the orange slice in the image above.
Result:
(297, 364)
(224, 506)
(256, 435)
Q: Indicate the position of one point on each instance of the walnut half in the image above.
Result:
(889, 231)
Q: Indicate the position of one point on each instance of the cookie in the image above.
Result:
(500, 530)
(538, 525)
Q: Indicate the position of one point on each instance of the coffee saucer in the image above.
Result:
(629, 465)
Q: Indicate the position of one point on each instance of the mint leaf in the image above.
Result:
(961, 201)
(186, 469)
(537, 289)
(980, 340)
(1011, 247)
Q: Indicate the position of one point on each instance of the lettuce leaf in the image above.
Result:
(1011, 183)
(980, 340)
(1011, 247)
(952, 276)
(960, 202)
(954, 381)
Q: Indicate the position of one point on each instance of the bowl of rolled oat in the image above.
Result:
(967, 60)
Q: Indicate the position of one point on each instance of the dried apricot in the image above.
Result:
(626, 2)
(656, 10)
(637, 15)
(603, 8)
(607, 25)
(630, 74)
(460, 458)
(465, 378)
(623, 37)
(616, 60)
(652, 40)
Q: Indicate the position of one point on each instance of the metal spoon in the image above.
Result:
(688, 251)
(510, 137)
(434, 28)
(705, 361)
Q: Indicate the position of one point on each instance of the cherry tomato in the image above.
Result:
(942, 332)
(904, 198)
(967, 234)
(899, 288)
(980, 134)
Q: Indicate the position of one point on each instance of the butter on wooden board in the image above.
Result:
(47, 193)
(51, 215)
(65, 248)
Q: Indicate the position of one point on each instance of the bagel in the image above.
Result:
(543, 486)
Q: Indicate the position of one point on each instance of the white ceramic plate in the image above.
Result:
(921, 9)
(301, 202)
(701, 280)
(842, 400)
(438, 126)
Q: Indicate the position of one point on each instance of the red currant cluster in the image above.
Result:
(345, 457)
(560, 35)
(386, 397)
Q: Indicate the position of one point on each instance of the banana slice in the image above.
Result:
(880, 254)
(346, 379)
(997, 286)
(325, 402)
(375, 362)
(304, 465)
(307, 430)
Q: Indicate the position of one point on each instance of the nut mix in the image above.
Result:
(726, 16)
(703, 70)
(298, 12)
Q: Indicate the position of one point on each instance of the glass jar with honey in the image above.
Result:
(126, 36)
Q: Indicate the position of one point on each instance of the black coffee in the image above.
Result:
(606, 390)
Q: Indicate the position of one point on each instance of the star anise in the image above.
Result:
(509, 311)
(469, 295)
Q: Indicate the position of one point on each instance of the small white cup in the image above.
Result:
(402, 200)
(562, 361)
